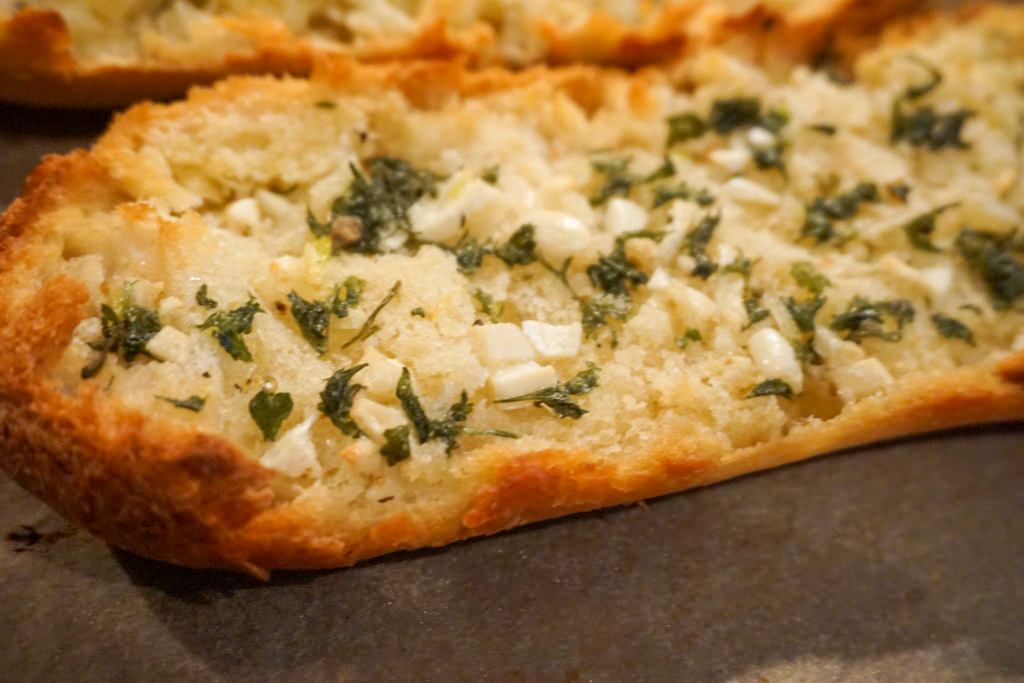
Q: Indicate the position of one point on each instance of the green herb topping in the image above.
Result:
(740, 265)
(734, 114)
(375, 208)
(313, 317)
(488, 306)
(824, 128)
(697, 243)
(951, 328)
(418, 312)
(663, 194)
(617, 181)
(752, 305)
(125, 334)
(337, 397)
(919, 230)
(822, 211)
(193, 403)
(771, 387)
(469, 254)
(447, 429)
(370, 327)
(726, 116)
(882, 319)
(925, 127)
(557, 397)
(520, 249)
(396, 445)
(989, 255)
(491, 174)
(597, 312)
(809, 278)
(229, 326)
(269, 410)
(803, 312)
(691, 335)
(899, 191)
(686, 126)
(203, 300)
(614, 273)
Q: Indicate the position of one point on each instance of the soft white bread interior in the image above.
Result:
(702, 272)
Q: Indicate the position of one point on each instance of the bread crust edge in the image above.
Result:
(38, 68)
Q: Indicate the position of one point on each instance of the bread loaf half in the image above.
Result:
(297, 323)
(104, 52)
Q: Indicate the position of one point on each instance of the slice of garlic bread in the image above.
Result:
(103, 53)
(298, 323)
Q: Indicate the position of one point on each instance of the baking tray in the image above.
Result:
(902, 561)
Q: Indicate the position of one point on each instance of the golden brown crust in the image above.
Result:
(37, 66)
(154, 488)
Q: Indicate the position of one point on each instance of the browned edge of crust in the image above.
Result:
(37, 66)
(153, 487)
(178, 495)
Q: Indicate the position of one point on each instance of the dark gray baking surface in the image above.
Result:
(895, 562)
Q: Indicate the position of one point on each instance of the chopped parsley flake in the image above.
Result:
(822, 211)
(989, 255)
(771, 387)
(737, 113)
(418, 312)
(269, 411)
(520, 249)
(396, 445)
(228, 327)
(663, 194)
(203, 300)
(370, 327)
(740, 265)
(899, 191)
(803, 312)
(447, 429)
(692, 334)
(617, 182)
(193, 403)
(125, 334)
(596, 313)
(377, 207)
(755, 312)
(557, 397)
(614, 273)
(951, 328)
(864, 319)
(490, 174)
(313, 317)
(920, 229)
(337, 397)
(697, 243)
(469, 254)
(686, 126)
(809, 278)
(488, 306)
(926, 127)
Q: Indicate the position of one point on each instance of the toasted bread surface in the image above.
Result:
(110, 53)
(703, 272)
